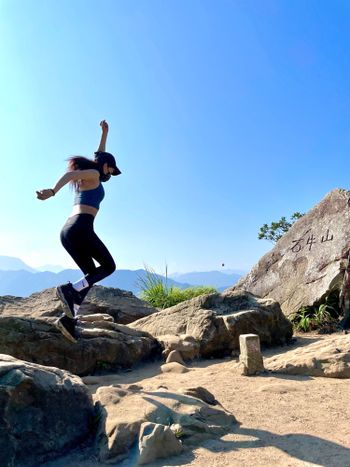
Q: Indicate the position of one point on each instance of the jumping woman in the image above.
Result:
(77, 235)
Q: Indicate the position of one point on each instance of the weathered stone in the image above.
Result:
(102, 345)
(250, 357)
(95, 318)
(329, 358)
(201, 393)
(185, 344)
(192, 420)
(123, 306)
(305, 264)
(157, 441)
(43, 411)
(173, 367)
(216, 321)
(175, 356)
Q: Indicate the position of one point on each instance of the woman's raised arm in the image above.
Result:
(102, 146)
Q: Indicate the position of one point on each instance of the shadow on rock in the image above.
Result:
(163, 423)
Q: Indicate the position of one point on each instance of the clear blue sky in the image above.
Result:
(223, 116)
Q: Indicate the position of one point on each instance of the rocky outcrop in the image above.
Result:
(173, 367)
(123, 306)
(328, 358)
(157, 441)
(126, 412)
(216, 321)
(187, 346)
(305, 264)
(102, 344)
(43, 412)
(175, 356)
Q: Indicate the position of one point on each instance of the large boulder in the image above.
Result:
(305, 264)
(102, 344)
(157, 441)
(216, 321)
(43, 411)
(123, 306)
(328, 357)
(187, 346)
(125, 410)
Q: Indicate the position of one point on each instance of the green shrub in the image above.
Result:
(276, 230)
(302, 319)
(322, 317)
(157, 292)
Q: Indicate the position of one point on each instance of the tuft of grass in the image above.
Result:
(156, 291)
(302, 319)
(322, 317)
(179, 433)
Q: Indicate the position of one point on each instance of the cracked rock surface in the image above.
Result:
(215, 321)
(123, 306)
(102, 344)
(329, 358)
(43, 412)
(305, 263)
(125, 409)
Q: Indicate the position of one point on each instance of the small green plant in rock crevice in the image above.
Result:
(179, 433)
(322, 317)
(302, 319)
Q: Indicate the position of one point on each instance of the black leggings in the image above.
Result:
(83, 245)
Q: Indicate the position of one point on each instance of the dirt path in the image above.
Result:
(285, 420)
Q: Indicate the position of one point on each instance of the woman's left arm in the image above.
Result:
(74, 175)
(102, 146)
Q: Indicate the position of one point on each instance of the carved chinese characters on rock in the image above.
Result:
(309, 240)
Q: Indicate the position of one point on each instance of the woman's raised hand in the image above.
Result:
(45, 194)
(104, 126)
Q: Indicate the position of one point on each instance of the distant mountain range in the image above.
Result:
(19, 279)
(216, 279)
(50, 267)
(10, 263)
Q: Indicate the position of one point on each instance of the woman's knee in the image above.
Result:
(110, 266)
(63, 238)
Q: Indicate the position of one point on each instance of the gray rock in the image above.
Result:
(250, 356)
(102, 345)
(186, 345)
(122, 415)
(157, 441)
(216, 321)
(123, 306)
(175, 356)
(173, 367)
(330, 358)
(43, 411)
(305, 263)
(201, 393)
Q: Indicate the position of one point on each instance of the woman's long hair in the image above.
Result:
(80, 163)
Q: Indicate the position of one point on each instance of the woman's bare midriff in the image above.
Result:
(83, 209)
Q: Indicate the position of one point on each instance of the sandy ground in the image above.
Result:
(285, 420)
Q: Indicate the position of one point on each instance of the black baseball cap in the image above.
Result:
(102, 157)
